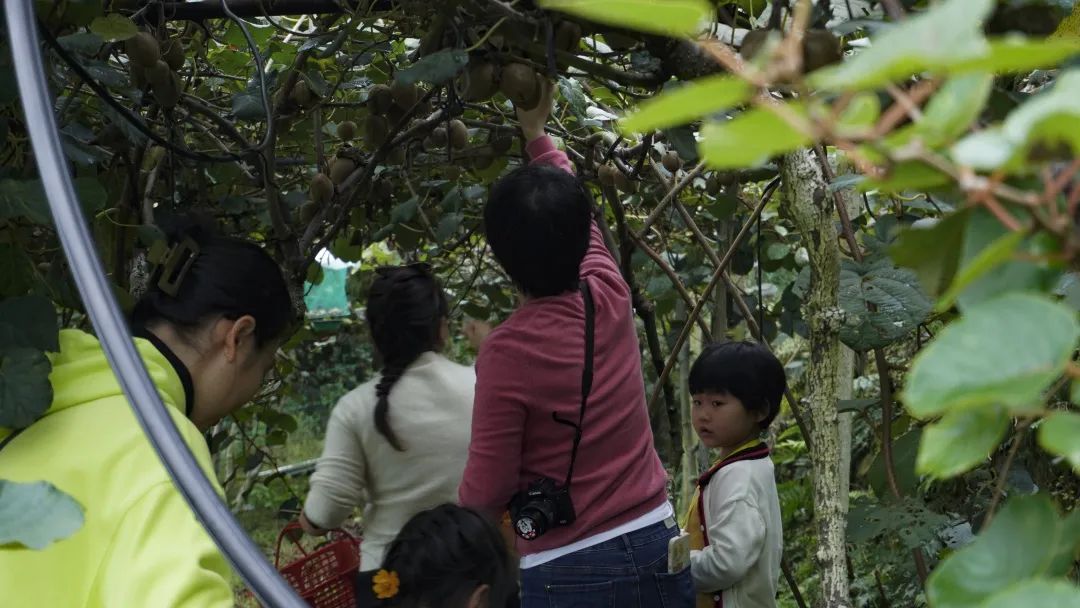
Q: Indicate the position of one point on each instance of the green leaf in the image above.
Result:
(688, 103)
(860, 114)
(909, 519)
(435, 68)
(993, 256)
(1027, 538)
(905, 451)
(448, 225)
(934, 252)
(909, 175)
(1019, 54)
(114, 27)
(673, 17)
(24, 198)
(952, 109)
(36, 514)
(751, 138)
(1037, 592)
(948, 33)
(29, 322)
(25, 390)
(961, 440)
(985, 231)
(405, 211)
(1059, 433)
(1005, 350)
(1049, 121)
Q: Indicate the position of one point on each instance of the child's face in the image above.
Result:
(721, 420)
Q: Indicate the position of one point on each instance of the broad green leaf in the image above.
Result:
(881, 303)
(1049, 120)
(36, 514)
(29, 322)
(1059, 434)
(911, 175)
(25, 390)
(948, 33)
(909, 520)
(961, 440)
(933, 253)
(406, 211)
(1019, 54)
(694, 100)
(448, 225)
(751, 138)
(860, 114)
(1006, 350)
(673, 17)
(114, 27)
(984, 231)
(435, 68)
(952, 109)
(1025, 539)
(24, 198)
(993, 256)
(905, 451)
(1037, 592)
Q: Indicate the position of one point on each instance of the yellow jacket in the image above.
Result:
(140, 544)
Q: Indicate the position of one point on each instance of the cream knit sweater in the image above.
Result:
(431, 413)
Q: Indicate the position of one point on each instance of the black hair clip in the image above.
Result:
(177, 264)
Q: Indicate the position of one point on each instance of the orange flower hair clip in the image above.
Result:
(385, 584)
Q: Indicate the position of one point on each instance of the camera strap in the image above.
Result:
(586, 377)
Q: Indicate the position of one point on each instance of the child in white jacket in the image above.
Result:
(736, 536)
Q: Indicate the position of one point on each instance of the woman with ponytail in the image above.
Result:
(397, 444)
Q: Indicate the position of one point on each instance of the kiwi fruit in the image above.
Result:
(321, 188)
(383, 189)
(346, 131)
(624, 183)
(143, 49)
(482, 82)
(394, 115)
(380, 99)
(376, 129)
(159, 73)
(138, 76)
(438, 137)
(753, 42)
(459, 134)
(301, 95)
(568, 36)
(820, 48)
(168, 92)
(173, 54)
(501, 144)
(671, 161)
(606, 174)
(405, 95)
(396, 156)
(452, 172)
(521, 84)
(340, 169)
(309, 209)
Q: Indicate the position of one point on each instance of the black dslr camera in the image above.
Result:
(540, 507)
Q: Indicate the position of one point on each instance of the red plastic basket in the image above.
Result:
(325, 576)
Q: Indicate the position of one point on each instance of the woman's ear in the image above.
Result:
(238, 332)
(480, 598)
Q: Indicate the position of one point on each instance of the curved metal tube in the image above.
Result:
(111, 326)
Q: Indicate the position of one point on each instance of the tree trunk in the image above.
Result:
(844, 386)
(804, 189)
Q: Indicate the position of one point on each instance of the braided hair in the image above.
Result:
(443, 554)
(405, 310)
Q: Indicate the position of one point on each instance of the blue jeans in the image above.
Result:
(629, 571)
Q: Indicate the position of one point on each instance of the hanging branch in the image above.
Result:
(671, 274)
(717, 274)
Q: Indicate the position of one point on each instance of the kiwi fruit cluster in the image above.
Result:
(519, 82)
(153, 66)
(610, 175)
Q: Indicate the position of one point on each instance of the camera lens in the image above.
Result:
(530, 523)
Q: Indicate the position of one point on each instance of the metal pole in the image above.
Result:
(111, 326)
